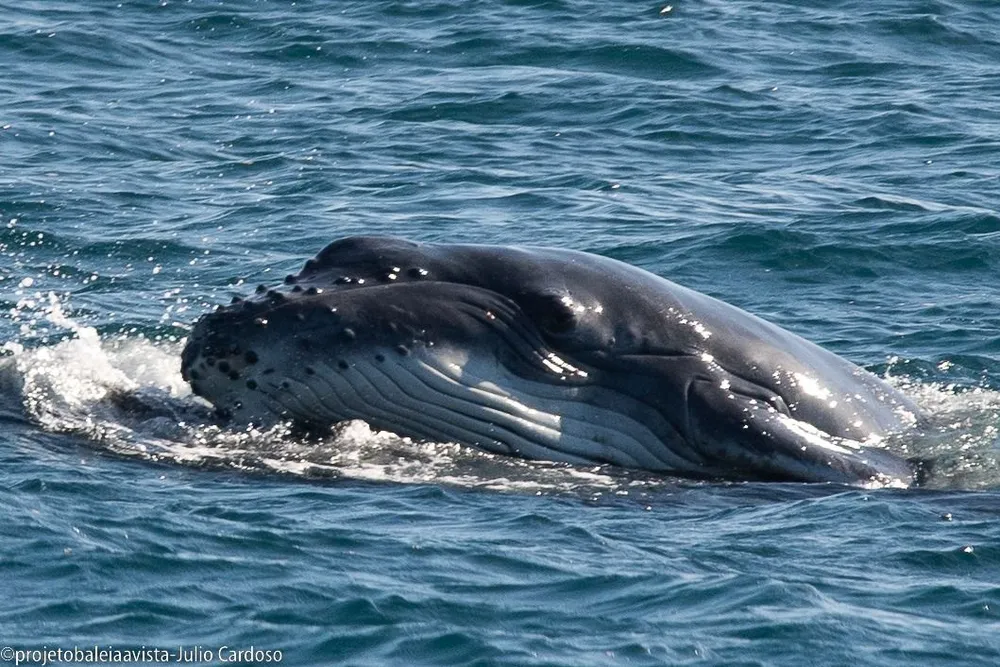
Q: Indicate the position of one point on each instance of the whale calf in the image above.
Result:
(546, 354)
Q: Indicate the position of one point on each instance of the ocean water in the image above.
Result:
(835, 170)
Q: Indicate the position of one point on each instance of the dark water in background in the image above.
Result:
(834, 170)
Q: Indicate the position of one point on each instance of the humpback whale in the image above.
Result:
(549, 354)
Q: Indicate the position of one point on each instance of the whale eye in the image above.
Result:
(552, 313)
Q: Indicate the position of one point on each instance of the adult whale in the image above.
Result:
(545, 354)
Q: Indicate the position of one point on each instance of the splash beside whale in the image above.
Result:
(545, 354)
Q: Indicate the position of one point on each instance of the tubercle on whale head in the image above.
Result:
(299, 290)
(353, 262)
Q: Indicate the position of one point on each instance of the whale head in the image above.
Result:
(541, 353)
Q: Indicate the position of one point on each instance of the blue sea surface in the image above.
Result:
(834, 169)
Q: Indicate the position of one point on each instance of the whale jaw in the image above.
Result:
(428, 391)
